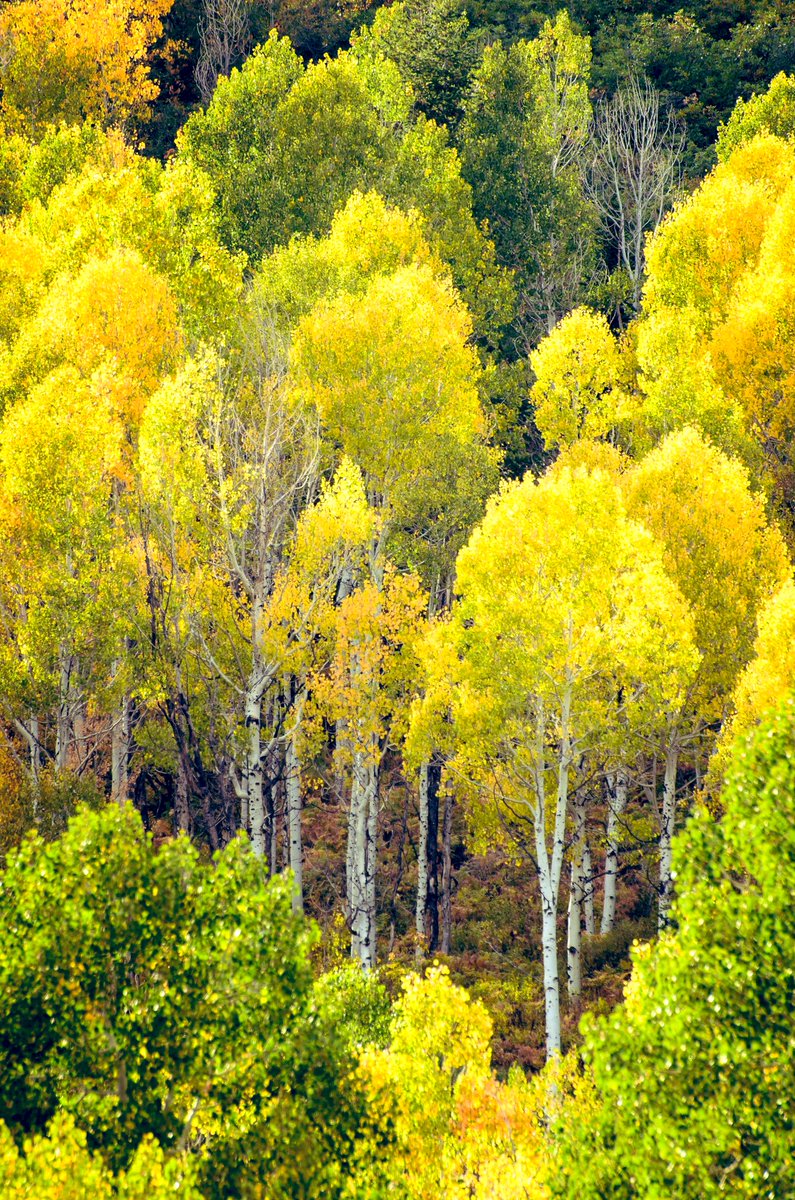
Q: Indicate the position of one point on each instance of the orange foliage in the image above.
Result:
(74, 60)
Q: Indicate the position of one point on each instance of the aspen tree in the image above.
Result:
(387, 366)
(86, 60)
(578, 391)
(726, 560)
(60, 449)
(769, 677)
(561, 597)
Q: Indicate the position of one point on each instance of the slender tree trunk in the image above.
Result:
(350, 862)
(576, 901)
(252, 782)
(63, 720)
(422, 861)
(357, 858)
(432, 902)
(369, 948)
(549, 953)
(120, 753)
(35, 749)
(272, 814)
(447, 874)
(587, 873)
(293, 787)
(551, 865)
(667, 824)
(616, 803)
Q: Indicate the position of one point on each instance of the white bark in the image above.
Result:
(587, 879)
(252, 779)
(224, 40)
(617, 802)
(293, 789)
(357, 854)
(422, 861)
(550, 864)
(369, 940)
(576, 903)
(635, 171)
(667, 823)
(363, 817)
(120, 753)
(549, 952)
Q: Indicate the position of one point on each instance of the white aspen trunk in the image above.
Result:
(447, 874)
(422, 862)
(587, 873)
(30, 732)
(252, 780)
(62, 726)
(617, 802)
(667, 823)
(576, 899)
(368, 925)
(550, 866)
(358, 857)
(549, 952)
(293, 789)
(120, 753)
(350, 856)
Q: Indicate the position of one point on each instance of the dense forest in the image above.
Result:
(397, 608)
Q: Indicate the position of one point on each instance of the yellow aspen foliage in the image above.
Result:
(373, 670)
(460, 1133)
(394, 380)
(83, 60)
(172, 461)
(116, 314)
(678, 386)
(368, 237)
(772, 111)
(301, 618)
(578, 386)
(769, 677)
(59, 449)
(60, 1166)
(754, 349)
(65, 568)
(714, 341)
(718, 546)
(120, 202)
(559, 590)
(593, 456)
(701, 250)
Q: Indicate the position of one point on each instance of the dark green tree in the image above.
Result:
(521, 141)
(695, 1071)
(144, 990)
(434, 48)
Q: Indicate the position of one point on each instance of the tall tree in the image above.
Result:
(633, 174)
(563, 606)
(726, 570)
(522, 140)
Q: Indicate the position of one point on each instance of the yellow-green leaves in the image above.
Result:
(718, 547)
(563, 602)
(393, 379)
(578, 388)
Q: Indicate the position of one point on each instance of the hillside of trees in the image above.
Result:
(397, 607)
